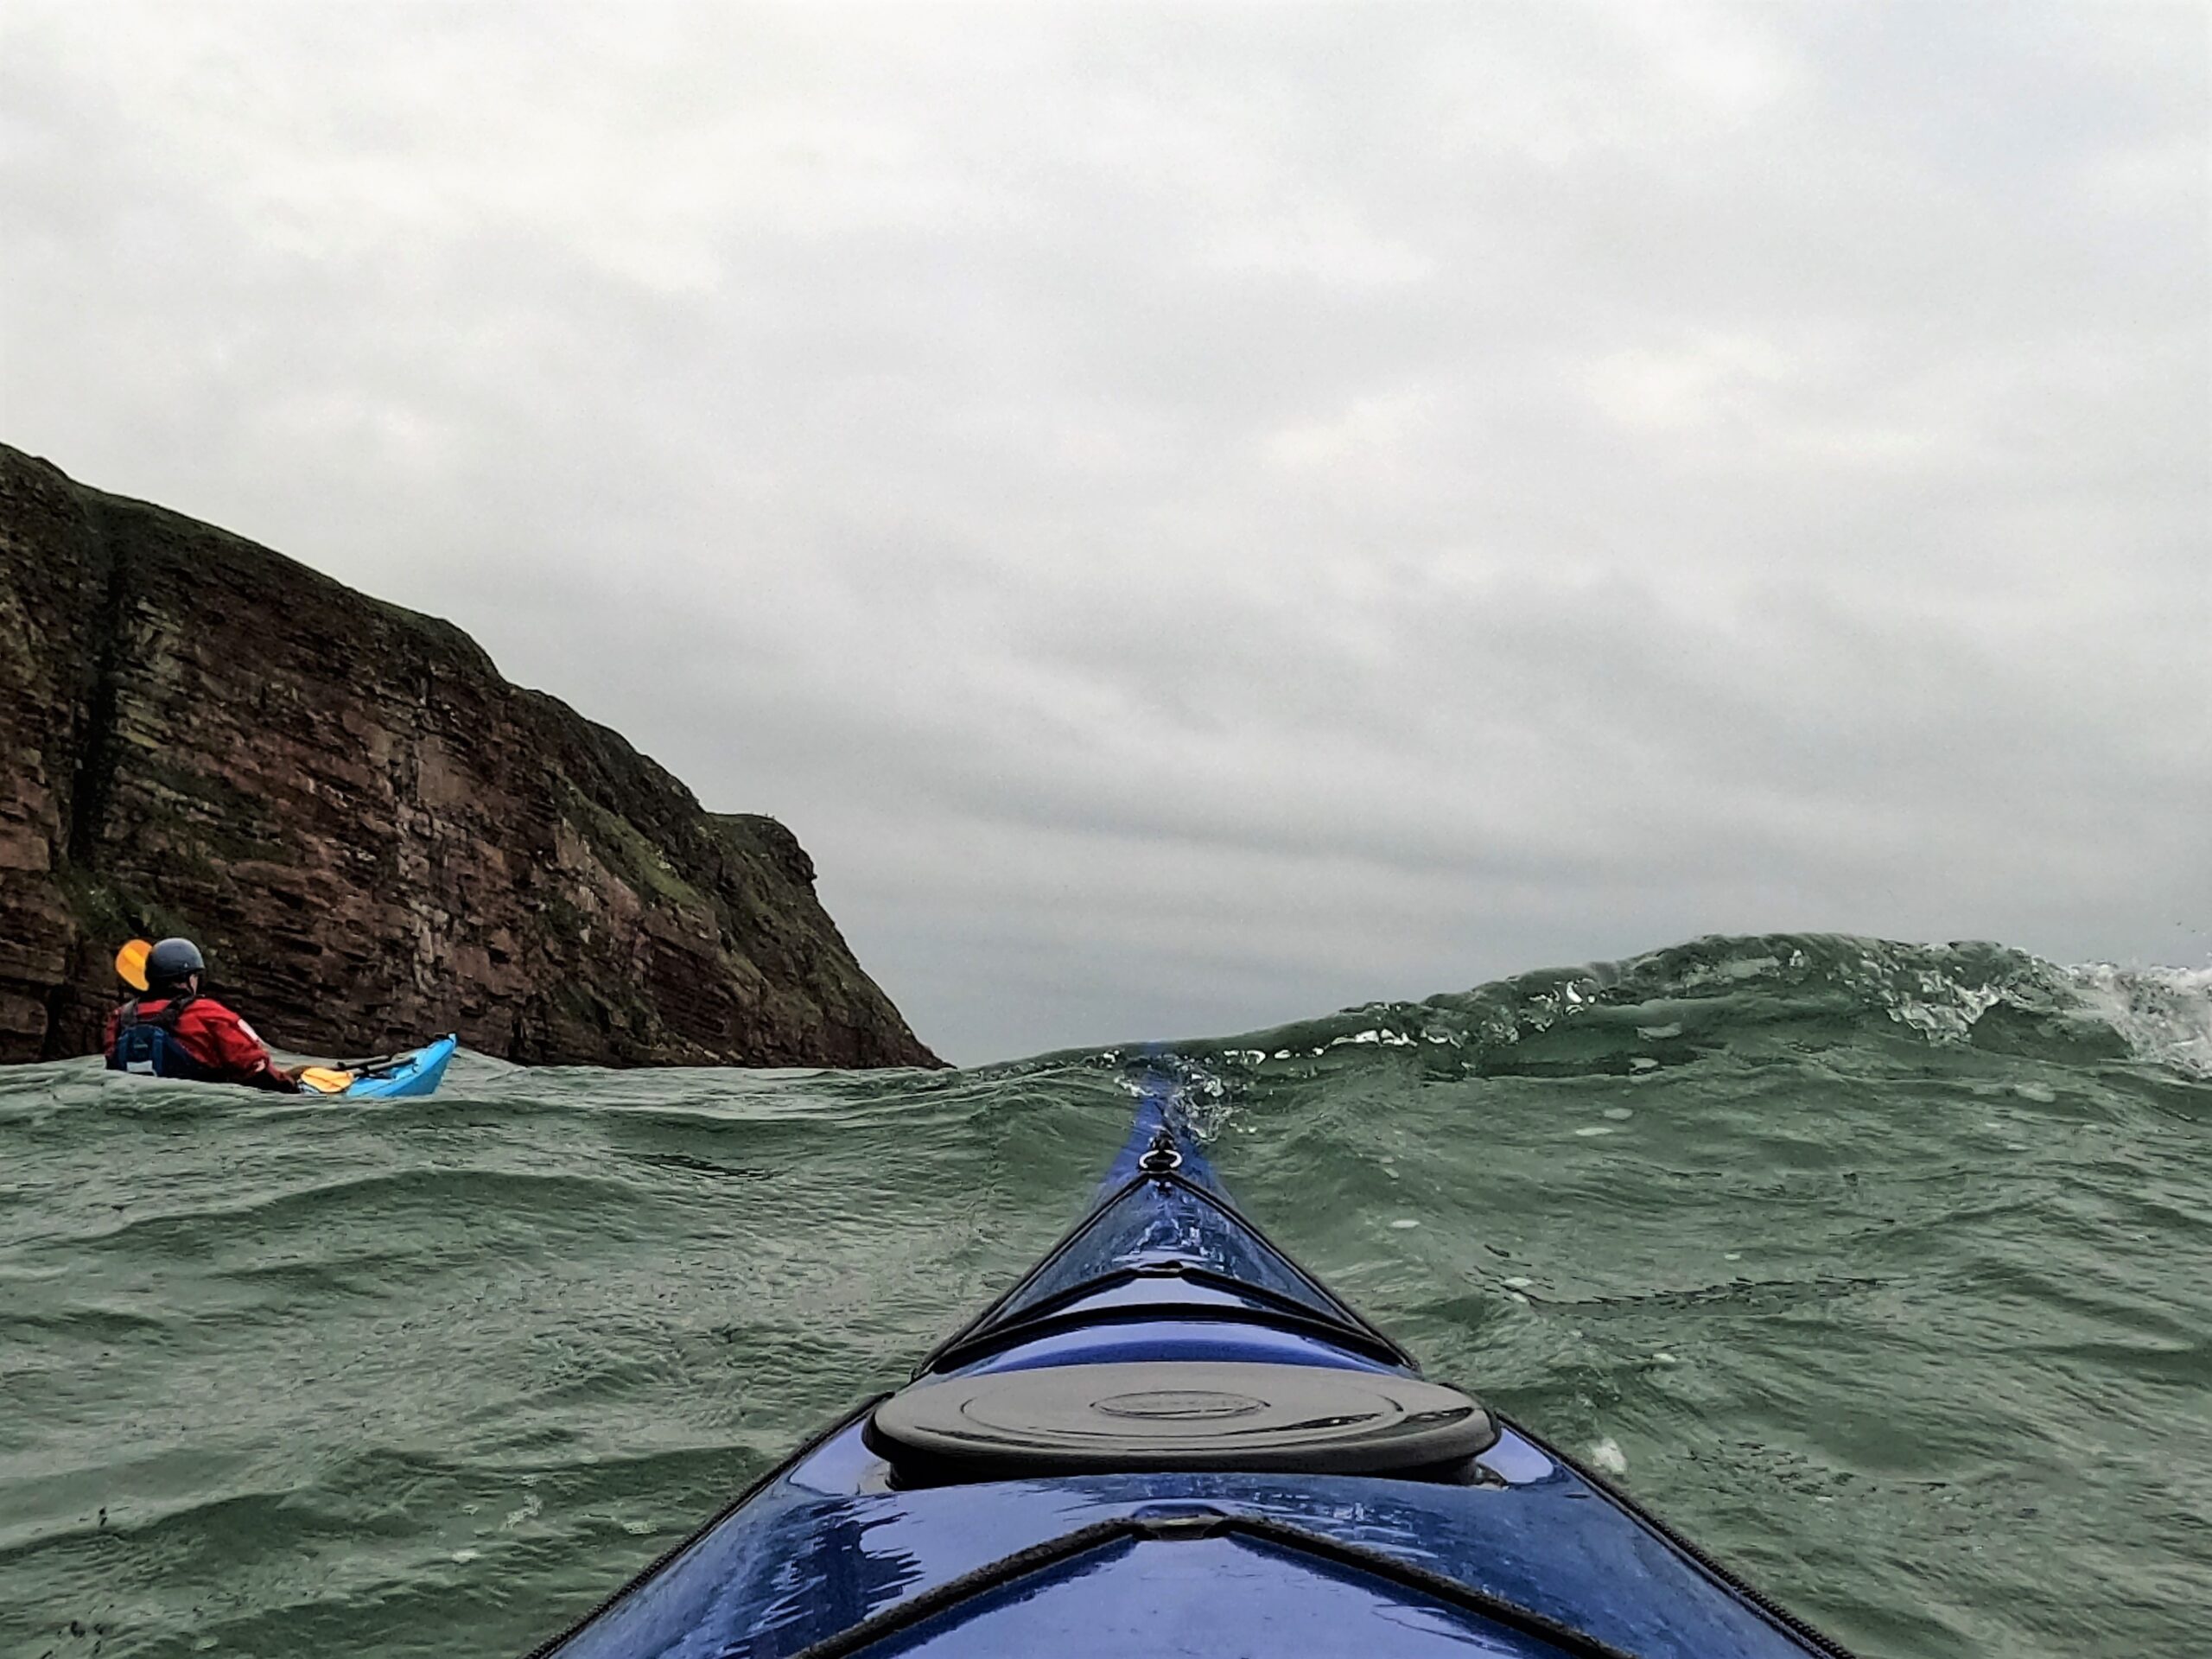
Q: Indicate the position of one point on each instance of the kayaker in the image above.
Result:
(173, 1030)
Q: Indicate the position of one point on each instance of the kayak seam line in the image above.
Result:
(954, 1591)
(654, 1569)
(1223, 1203)
(1137, 1529)
(1790, 1624)
(1166, 1178)
(1052, 1253)
(1179, 1268)
(1053, 1316)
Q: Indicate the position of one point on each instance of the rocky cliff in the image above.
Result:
(373, 836)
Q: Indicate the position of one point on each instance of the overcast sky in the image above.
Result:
(1200, 515)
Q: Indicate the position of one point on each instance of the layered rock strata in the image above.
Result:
(372, 834)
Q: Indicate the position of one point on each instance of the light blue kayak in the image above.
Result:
(412, 1074)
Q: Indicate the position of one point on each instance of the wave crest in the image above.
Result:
(1669, 1005)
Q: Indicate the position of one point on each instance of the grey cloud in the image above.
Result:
(1200, 515)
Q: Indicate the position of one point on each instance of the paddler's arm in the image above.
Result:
(243, 1057)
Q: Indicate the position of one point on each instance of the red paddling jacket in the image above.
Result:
(192, 1036)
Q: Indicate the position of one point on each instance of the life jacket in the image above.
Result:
(146, 1044)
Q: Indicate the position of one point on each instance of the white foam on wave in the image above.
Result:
(2164, 1015)
(1944, 1010)
(1378, 1034)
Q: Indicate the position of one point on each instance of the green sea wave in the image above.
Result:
(1882, 1270)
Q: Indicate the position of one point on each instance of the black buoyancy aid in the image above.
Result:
(147, 1043)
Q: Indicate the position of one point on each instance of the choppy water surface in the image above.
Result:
(1884, 1273)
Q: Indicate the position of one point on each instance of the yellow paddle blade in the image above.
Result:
(130, 963)
(324, 1080)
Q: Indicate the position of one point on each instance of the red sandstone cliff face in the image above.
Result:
(373, 836)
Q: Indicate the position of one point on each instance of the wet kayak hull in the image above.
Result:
(1155, 1328)
(411, 1076)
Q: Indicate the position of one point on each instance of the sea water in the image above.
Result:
(1884, 1273)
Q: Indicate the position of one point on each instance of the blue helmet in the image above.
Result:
(172, 961)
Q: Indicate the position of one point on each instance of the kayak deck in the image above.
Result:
(829, 1549)
(409, 1077)
(1110, 1460)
